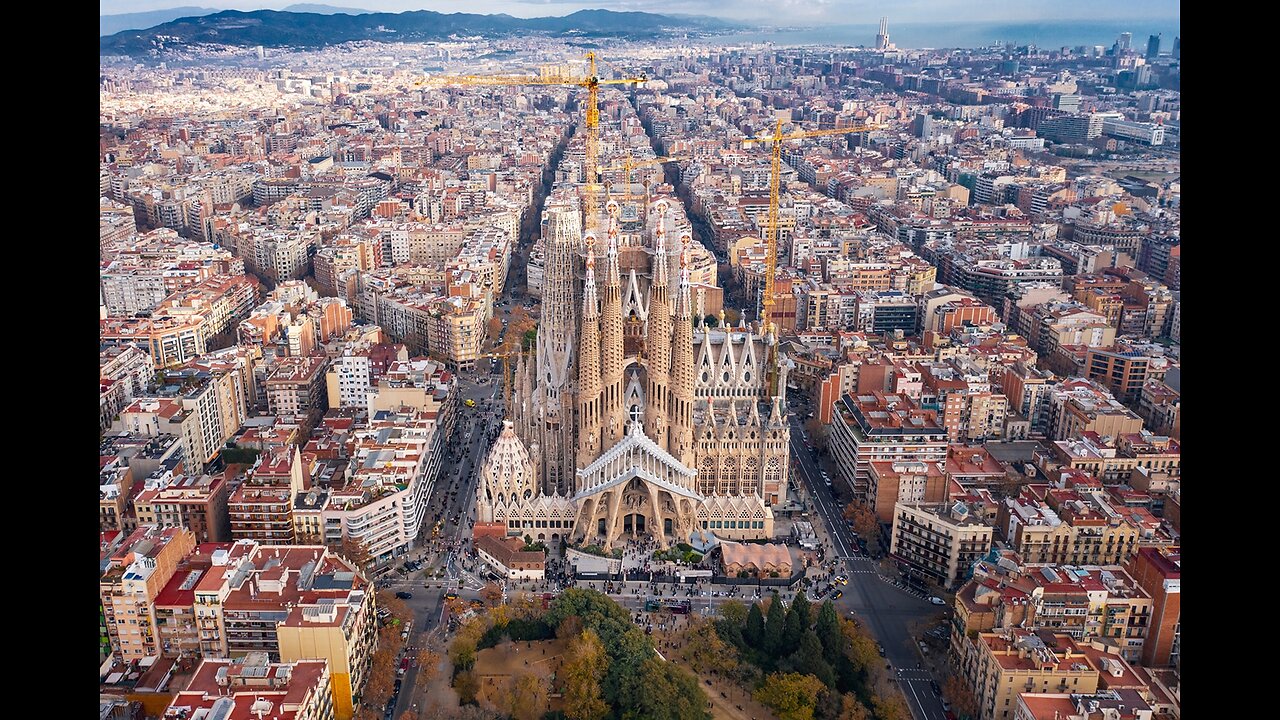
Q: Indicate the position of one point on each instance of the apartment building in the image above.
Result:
(1078, 406)
(1075, 528)
(394, 463)
(134, 576)
(252, 686)
(1015, 661)
(352, 375)
(195, 502)
(875, 427)
(1114, 459)
(1159, 572)
(261, 509)
(890, 483)
(941, 541)
(115, 495)
(293, 603)
(296, 389)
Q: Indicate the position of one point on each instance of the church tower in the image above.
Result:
(681, 395)
(614, 413)
(556, 347)
(589, 406)
(658, 342)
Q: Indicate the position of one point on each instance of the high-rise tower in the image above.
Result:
(658, 343)
(614, 413)
(557, 336)
(589, 406)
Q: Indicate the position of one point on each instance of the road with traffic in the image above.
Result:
(889, 611)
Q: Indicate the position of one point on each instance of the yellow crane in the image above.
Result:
(591, 81)
(507, 370)
(628, 165)
(771, 227)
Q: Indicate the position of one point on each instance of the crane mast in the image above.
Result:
(771, 227)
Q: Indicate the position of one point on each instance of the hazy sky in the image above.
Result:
(777, 12)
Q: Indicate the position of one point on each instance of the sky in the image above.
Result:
(776, 12)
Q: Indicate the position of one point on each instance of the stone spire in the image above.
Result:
(614, 410)
(557, 345)
(658, 343)
(682, 370)
(589, 425)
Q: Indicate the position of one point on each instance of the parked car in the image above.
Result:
(880, 649)
(936, 600)
(404, 595)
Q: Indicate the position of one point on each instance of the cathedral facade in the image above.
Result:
(636, 417)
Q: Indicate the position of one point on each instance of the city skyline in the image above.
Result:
(796, 11)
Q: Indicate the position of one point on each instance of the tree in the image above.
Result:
(858, 646)
(582, 671)
(569, 628)
(828, 630)
(711, 321)
(803, 610)
(808, 659)
(666, 692)
(817, 432)
(734, 611)
(462, 651)
(467, 686)
(775, 627)
(494, 327)
(889, 706)
(791, 632)
(791, 695)
(492, 594)
(382, 676)
(470, 712)
(704, 650)
(851, 709)
(828, 705)
(962, 700)
(755, 627)
(428, 665)
(528, 697)
(864, 522)
(394, 605)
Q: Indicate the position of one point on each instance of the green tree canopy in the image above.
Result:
(791, 695)
(775, 627)
(755, 627)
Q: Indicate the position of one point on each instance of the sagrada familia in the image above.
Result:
(635, 418)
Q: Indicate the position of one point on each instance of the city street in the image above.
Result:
(888, 611)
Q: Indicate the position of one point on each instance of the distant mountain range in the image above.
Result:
(271, 28)
(112, 24)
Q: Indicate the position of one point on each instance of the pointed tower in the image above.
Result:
(589, 417)
(614, 410)
(557, 337)
(658, 344)
(682, 370)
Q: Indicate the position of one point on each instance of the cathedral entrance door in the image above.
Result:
(666, 527)
(600, 526)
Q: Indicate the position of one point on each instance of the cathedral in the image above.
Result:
(634, 417)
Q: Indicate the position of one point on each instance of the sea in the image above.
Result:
(1050, 35)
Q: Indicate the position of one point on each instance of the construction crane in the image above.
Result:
(591, 81)
(507, 371)
(771, 227)
(628, 165)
